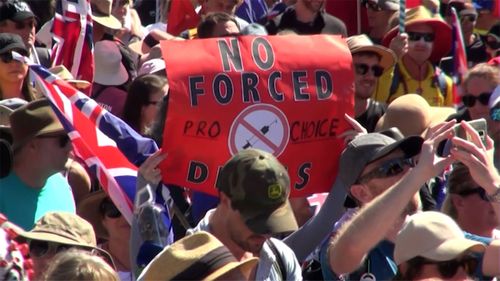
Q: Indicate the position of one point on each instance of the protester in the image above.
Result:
(349, 249)
(34, 188)
(253, 208)
(426, 40)
(218, 24)
(370, 61)
(14, 82)
(110, 226)
(132, 28)
(182, 260)
(468, 204)
(493, 41)
(144, 96)
(56, 232)
(306, 17)
(16, 17)
(79, 265)
(378, 12)
(432, 246)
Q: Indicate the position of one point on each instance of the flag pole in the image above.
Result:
(402, 15)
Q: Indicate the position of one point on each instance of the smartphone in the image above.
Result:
(479, 126)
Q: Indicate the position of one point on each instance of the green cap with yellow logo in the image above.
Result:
(259, 186)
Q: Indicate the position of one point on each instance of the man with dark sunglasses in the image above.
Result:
(426, 40)
(378, 14)
(41, 148)
(369, 63)
(492, 41)
(432, 246)
(365, 244)
(16, 17)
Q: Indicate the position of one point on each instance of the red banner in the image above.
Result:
(283, 94)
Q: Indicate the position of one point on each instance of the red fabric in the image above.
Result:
(347, 10)
(73, 36)
(181, 16)
(412, 3)
(289, 119)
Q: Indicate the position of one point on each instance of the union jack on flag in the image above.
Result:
(72, 31)
(107, 145)
(459, 54)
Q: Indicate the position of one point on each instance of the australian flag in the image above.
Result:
(72, 31)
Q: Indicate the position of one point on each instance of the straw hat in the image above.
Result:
(88, 209)
(192, 258)
(412, 115)
(361, 43)
(64, 74)
(432, 235)
(109, 69)
(418, 15)
(101, 13)
(152, 39)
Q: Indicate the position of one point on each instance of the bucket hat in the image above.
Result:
(109, 69)
(64, 74)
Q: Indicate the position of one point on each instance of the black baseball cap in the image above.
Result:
(15, 10)
(10, 42)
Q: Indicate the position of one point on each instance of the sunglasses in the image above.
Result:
(416, 36)
(8, 57)
(41, 248)
(492, 43)
(22, 24)
(448, 269)
(388, 169)
(470, 18)
(362, 69)
(63, 140)
(470, 100)
(109, 209)
(478, 190)
(372, 6)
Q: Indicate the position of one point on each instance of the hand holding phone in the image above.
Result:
(479, 126)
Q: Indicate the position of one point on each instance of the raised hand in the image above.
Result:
(149, 169)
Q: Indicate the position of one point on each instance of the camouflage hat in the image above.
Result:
(259, 186)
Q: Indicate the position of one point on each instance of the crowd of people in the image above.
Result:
(417, 194)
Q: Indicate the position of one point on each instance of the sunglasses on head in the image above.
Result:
(40, 248)
(8, 57)
(470, 100)
(416, 36)
(109, 209)
(387, 169)
(372, 6)
(448, 269)
(478, 190)
(63, 140)
(362, 69)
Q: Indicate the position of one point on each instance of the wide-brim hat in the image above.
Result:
(109, 69)
(193, 258)
(88, 209)
(32, 120)
(415, 108)
(443, 35)
(64, 228)
(101, 13)
(361, 43)
(144, 45)
(64, 74)
(434, 236)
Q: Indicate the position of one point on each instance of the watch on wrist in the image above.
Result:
(495, 197)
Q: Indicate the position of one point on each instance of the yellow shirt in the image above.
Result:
(430, 89)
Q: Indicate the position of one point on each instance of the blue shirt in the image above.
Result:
(24, 205)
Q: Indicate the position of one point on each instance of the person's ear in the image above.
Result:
(224, 200)
(361, 193)
(457, 201)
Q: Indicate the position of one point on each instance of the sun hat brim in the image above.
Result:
(88, 209)
(387, 57)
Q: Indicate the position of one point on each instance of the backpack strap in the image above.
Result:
(279, 260)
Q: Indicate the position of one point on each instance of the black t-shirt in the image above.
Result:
(324, 23)
(372, 114)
